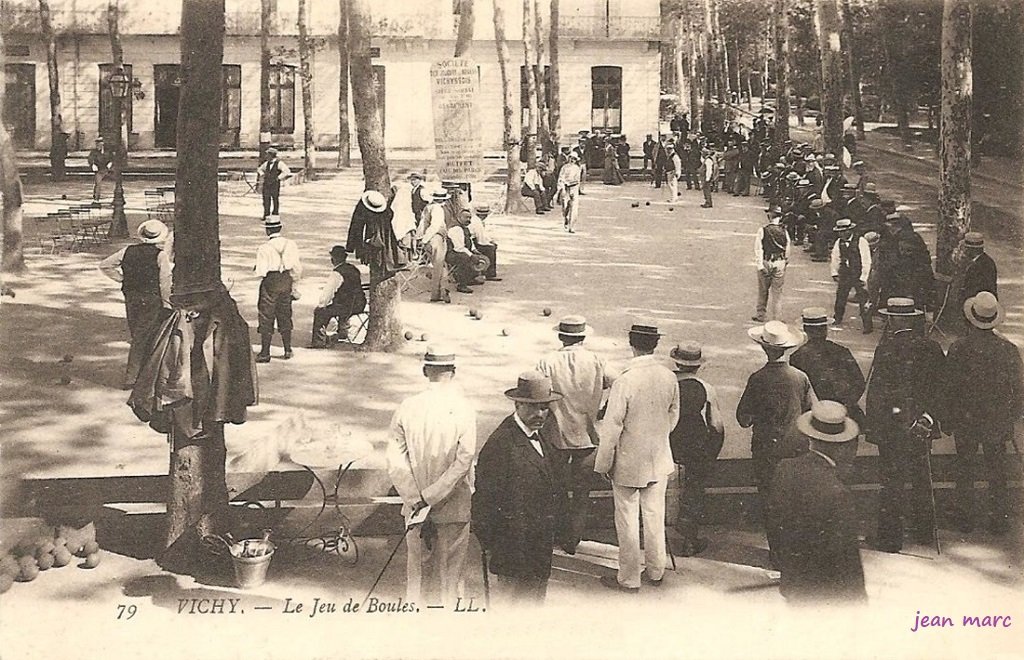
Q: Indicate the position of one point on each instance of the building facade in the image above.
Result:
(609, 66)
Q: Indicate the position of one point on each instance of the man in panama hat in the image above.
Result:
(812, 512)
(430, 457)
(643, 408)
(582, 377)
(986, 374)
(519, 502)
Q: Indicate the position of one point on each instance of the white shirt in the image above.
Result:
(581, 376)
(278, 254)
(458, 239)
(533, 179)
(530, 434)
(479, 231)
(282, 167)
(432, 222)
(330, 287)
(569, 175)
(433, 448)
(865, 258)
(709, 168)
(111, 267)
(759, 249)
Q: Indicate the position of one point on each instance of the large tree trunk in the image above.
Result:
(197, 499)
(849, 35)
(514, 202)
(13, 254)
(385, 327)
(780, 39)
(464, 37)
(555, 110)
(344, 148)
(306, 74)
(898, 71)
(58, 145)
(955, 131)
(266, 16)
(826, 23)
(710, 74)
(547, 141)
(679, 61)
(529, 34)
(721, 55)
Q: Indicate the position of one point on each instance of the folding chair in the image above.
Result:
(47, 233)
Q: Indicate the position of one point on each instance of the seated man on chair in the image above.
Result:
(341, 297)
(460, 254)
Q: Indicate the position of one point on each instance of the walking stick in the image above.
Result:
(487, 579)
(386, 564)
(923, 431)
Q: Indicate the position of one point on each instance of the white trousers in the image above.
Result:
(435, 575)
(570, 206)
(630, 504)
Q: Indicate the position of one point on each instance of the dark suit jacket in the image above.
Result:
(980, 276)
(816, 526)
(519, 503)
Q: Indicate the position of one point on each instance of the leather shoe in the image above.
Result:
(612, 582)
(289, 354)
(493, 279)
(261, 358)
(695, 548)
(648, 581)
(462, 288)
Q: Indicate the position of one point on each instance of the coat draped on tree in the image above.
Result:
(372, 238)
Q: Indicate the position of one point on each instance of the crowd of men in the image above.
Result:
(526, 490)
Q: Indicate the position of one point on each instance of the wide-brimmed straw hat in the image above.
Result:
(533, 387)
(687, 355)
(776, 334)
(153, 231)
(828, 421)
(983, 311)
(572, 326)
(900, 307)
(374, 201)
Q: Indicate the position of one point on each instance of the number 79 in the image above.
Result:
(126, 611)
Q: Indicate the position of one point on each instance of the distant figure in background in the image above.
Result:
(612, 175)
(708, 176)
(569, 181)
(144, 271)
(649, 146)
(99, 164)
(272, 172)
(533, 187)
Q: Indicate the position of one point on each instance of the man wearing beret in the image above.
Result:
(905, 401)
(813, 513)
(643, 408)
(519, 503)
(430, 458)
(986, 374)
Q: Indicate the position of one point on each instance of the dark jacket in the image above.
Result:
(908, 374)
(980, 275)
(985, 372)
(519, 503)
(372, 239)
(816, 544)
(833, 372)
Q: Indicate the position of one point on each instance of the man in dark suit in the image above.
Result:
(812, 511)
(904, 404)
(986, 372)
(977, 269)
(519, 506)
(831, 367)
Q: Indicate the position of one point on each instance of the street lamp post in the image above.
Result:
(120, 87)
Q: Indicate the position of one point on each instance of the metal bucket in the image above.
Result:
(251, 571)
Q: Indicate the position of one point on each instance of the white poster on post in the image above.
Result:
(454, 87)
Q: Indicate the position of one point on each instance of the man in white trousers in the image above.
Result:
(569, 178)
(643, 407)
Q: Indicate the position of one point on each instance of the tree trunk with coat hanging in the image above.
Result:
(385, 326)
(197, 501)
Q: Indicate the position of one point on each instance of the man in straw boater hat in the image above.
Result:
(831, 367)
(849, 267)
(430, 456)
(518, 503)
(582, 377)
(696, 442)
(634, 453)
(771, 256)
(775, 395)
(906, 395)
(271, 173)
(279, 267)
(976, 270)
(812, 512)
(144, 271)
(433, 235)
(986, 374)
(569, 178)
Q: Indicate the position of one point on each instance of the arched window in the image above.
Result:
(606, 98)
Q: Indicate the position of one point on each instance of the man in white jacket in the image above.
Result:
(643, 408)
(430, 455)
